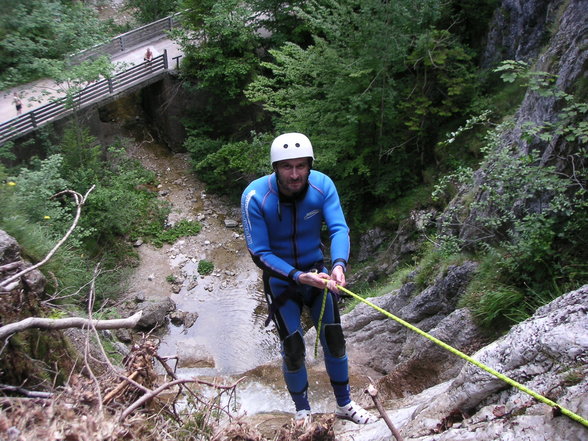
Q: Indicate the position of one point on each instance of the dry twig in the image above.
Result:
(373, 392)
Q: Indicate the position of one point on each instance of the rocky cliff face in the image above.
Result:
(409, 363)
(519, 29)
(562, 40)
(547, 353)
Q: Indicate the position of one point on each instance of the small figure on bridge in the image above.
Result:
(17, 103)
(148, 56)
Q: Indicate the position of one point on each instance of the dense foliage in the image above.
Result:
(530, 214)
(147, 11)
(371, 83)
(122, 207)
(37, 35)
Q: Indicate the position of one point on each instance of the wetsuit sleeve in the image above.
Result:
(337, 226)
(258, 243)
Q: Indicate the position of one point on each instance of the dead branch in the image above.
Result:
(152, 395)
(160, 389)
(7, 403)
(118, 389)
(373, 392)
(25, 392)
(10, 266)
(168, 369)
(93, 329)
(80, 200)
(70, 322)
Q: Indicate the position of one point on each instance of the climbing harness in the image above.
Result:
(320, 320)
(488, 369)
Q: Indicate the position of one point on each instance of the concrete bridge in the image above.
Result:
(128, 48)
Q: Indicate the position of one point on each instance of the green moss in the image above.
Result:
(205, 267)
(157, 235)
(31, 358)
(433, 263)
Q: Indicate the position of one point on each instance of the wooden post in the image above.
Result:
(373, 392)
(165, 59)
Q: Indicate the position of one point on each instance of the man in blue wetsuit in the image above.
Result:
(283, 214)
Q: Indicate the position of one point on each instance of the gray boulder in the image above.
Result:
(155, 313)
(9, 248)
(547, 353)
(33, 282)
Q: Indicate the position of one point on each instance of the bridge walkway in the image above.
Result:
(39, 108)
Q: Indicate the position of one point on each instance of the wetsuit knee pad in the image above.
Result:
(335, 340)
(294, 351)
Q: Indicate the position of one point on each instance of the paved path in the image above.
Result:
(31, 94)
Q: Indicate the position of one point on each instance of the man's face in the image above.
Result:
(292, 175)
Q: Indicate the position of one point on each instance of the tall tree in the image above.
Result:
(220, 59)
(147, 11)
(342, 90)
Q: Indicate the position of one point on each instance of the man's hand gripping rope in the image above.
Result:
(323, 280)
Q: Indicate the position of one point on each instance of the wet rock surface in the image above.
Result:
(542, 353)
(410, 361)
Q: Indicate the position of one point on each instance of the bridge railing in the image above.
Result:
(122, 42)
(93, 92)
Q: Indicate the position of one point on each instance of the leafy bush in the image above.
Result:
(226, 168)
(182, 229)
(205, 267)
(120, 204)
(34, 190)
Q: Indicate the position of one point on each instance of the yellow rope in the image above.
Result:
(320, 320)
(488, 369)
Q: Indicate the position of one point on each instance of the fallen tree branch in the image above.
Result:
(10, 402)
(153, 394)
(71, 322)
(373, 392)
(80, 200)
(165, 386)
(118, 389)
(25, 392)
(10, 266)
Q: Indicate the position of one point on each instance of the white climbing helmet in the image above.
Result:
(291, 146)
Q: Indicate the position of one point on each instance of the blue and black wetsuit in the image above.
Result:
(283, 236)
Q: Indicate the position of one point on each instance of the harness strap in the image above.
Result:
(290, 293)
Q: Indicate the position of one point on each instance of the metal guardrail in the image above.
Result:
(129, 39)
(92, 93)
